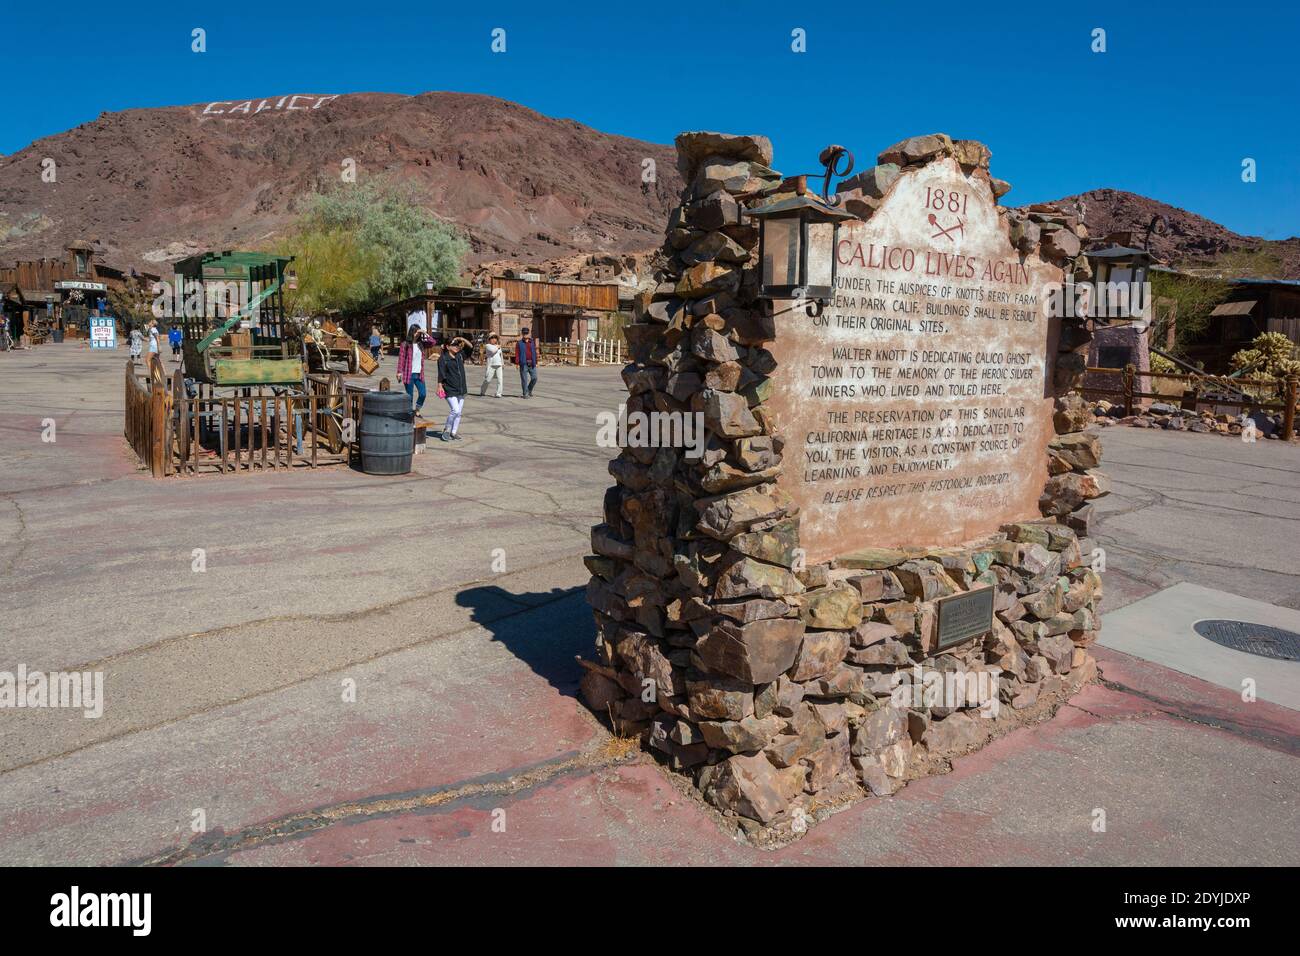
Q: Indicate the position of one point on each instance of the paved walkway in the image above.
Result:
(228, 692)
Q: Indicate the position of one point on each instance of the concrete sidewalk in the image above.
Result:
(228, 690)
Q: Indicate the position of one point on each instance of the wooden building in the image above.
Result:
(55, 297)
(1251, 307)
(554, 311)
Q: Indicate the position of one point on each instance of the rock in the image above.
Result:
(788, 749)
(1064, 493)
(894, 758)
(917, 149)
(725, 516)
(1080, 450)
(751, 786)
(754, 609)
(879, 729)
(1060, 244)
(725, 414)
(599, 692)
(723, 377)
(955, 734)
(827, 763)
(873, 775)
(788, 696)
(1025, 234)
(646, 661)
(835, 608)
(716, 697)
(757, 652)
(890, 651)
(712, 347)
(740, 736)
(745, 577)
(1072, 414)
(872, 182)
(875, 558)
(695, 146)
(732, 177)
(1059, 651)
(705, 278)
(832, 718)
(972, 153)
(924, 580)
(845, 681)
(820, 654)
(775, 545)
(869, 633)
(713, 212)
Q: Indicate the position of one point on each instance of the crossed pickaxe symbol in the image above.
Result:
(960, 227)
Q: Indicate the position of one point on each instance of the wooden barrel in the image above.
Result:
(387, 433)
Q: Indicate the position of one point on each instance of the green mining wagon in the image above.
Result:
(219, 292)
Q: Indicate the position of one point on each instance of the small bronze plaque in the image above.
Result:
(964, 616)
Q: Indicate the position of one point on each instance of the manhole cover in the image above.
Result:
(1252, 638)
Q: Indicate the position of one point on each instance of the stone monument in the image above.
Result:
(871, 562)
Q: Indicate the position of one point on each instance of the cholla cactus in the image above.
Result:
(1271, 354)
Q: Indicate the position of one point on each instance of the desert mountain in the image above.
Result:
(1181, 238)
(152, 185)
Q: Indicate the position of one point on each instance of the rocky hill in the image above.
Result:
(152, 185)
(1181, 238)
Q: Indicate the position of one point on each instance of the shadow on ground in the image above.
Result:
(544, 629)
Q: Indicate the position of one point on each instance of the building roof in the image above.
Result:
(1239, 307)
(1117, 252)
(231, 264)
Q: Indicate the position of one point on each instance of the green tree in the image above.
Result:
(357, 245)
(332, 272)
(1195, 298)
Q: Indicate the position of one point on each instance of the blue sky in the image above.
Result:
(1184, 92)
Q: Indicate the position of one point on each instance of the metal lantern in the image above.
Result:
(797, 237)
(796, 247)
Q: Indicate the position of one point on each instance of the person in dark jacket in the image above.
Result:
(526, 357)
(451, 384)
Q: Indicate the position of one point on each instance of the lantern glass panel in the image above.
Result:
(821, 249)
(781, 251)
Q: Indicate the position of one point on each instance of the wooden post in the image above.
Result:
(1288, 415)
(1129, 378)
(157, 428)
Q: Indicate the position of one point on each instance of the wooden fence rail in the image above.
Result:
(1192, 399)
(256, 429)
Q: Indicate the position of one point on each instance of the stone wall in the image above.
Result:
(784, 690)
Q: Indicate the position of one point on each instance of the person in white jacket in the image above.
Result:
(492, 365)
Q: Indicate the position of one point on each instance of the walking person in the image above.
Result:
(137, 342)
(526, 356)
(153, 338)
(493, 363)
(174, 337)
(375, 342)
(451, 385)
(410, 364)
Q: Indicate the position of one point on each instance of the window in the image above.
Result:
(81, 263)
